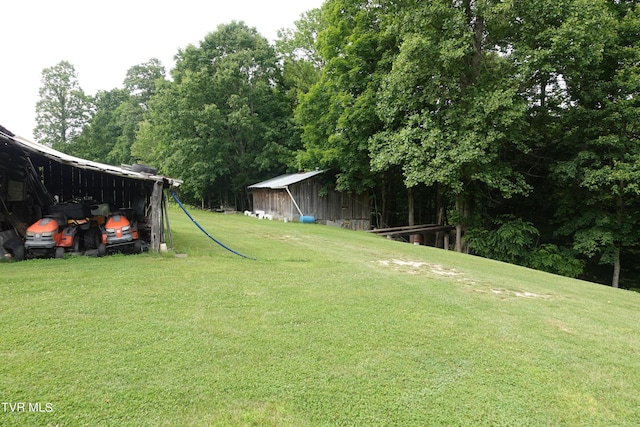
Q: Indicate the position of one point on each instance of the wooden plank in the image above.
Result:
(402, 228)
(430, 229)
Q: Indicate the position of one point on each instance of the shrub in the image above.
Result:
(515, 241)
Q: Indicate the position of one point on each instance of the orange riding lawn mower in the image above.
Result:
(79, 227)
(119, 234)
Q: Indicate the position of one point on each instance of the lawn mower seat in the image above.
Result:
(59, 217)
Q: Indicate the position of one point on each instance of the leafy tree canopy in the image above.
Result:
(63, 109)
(224, 120)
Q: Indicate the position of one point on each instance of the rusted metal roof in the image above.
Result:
(50, 153)
(283, 181)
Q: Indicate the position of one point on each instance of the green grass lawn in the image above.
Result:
(327, 327)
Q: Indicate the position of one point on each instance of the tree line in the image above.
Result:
(516, 122)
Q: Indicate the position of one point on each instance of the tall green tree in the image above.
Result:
(224, 121)
(63, 108)
(112, 131)
(100, 135)
(127, 116)
(599, 178)
(301, 62)
(450, 106)
(142, 80)
(338, 114)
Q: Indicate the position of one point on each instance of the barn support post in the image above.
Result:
(166, 218)
(156, 216)
(294, 201)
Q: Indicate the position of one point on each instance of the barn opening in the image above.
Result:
(34, 179)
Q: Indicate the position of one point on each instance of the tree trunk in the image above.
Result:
(615, 282)
(411, 209)
(458, 237)
(411, 217)
(384, 220)
(439, 218)
(459, 225)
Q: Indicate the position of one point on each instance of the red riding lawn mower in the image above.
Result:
(53, 235)
(119, 234)
(67, 228)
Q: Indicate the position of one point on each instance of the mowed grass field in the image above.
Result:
(326, 327)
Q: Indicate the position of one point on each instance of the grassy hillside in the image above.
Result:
(325, 327)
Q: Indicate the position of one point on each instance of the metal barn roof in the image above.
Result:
(283, 181)
(63, 158)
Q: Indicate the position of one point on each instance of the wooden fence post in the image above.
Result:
(156, 216)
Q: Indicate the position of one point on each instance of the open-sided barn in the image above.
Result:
(307, 194)
(35, 179)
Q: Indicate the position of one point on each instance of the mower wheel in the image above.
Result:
(59, 252)
(102, 250)
(75, 247)
(91, 239)
(19, 253)
(137, 247)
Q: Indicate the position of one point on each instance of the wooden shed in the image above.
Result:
(311, 194)
(33, 178)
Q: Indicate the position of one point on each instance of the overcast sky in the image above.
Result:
(102, 40)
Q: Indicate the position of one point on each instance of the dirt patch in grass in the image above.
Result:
(560, 325)
(506, 293)
(416, 267)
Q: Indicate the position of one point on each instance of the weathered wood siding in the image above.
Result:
(335, 208)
